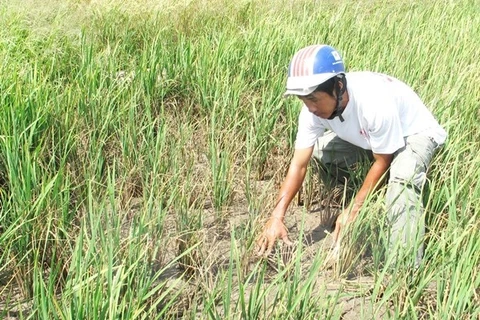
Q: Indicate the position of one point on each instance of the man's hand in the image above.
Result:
(274, 229)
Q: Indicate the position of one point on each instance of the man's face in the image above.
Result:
(320, 104)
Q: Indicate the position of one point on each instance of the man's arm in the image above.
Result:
(293, 181)
(275, 228)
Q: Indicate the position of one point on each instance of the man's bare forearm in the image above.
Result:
(372, 180)
(293, 181)
(289, 189)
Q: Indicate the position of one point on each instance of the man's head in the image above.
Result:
(312, 66)
(323, 101)
(317, 76)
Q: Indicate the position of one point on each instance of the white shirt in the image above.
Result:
(381, 111)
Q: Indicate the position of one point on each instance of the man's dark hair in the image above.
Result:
(327, 86)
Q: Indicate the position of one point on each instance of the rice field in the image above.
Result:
(142, 144)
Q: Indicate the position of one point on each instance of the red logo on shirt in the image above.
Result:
(364, 134)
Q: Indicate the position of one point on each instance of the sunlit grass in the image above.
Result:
(142, 143)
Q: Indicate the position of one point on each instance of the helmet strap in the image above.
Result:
(339, 91)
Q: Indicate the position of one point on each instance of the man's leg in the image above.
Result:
(404, 196)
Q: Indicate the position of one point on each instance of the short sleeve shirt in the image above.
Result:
(381, 111)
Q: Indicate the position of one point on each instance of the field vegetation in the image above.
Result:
(142, 144)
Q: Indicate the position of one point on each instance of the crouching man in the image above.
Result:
(345, 118)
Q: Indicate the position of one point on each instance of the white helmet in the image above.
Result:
(312, 66)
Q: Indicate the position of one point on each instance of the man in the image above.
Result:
(345, 118)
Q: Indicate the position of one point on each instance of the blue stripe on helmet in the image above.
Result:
(328, 60)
